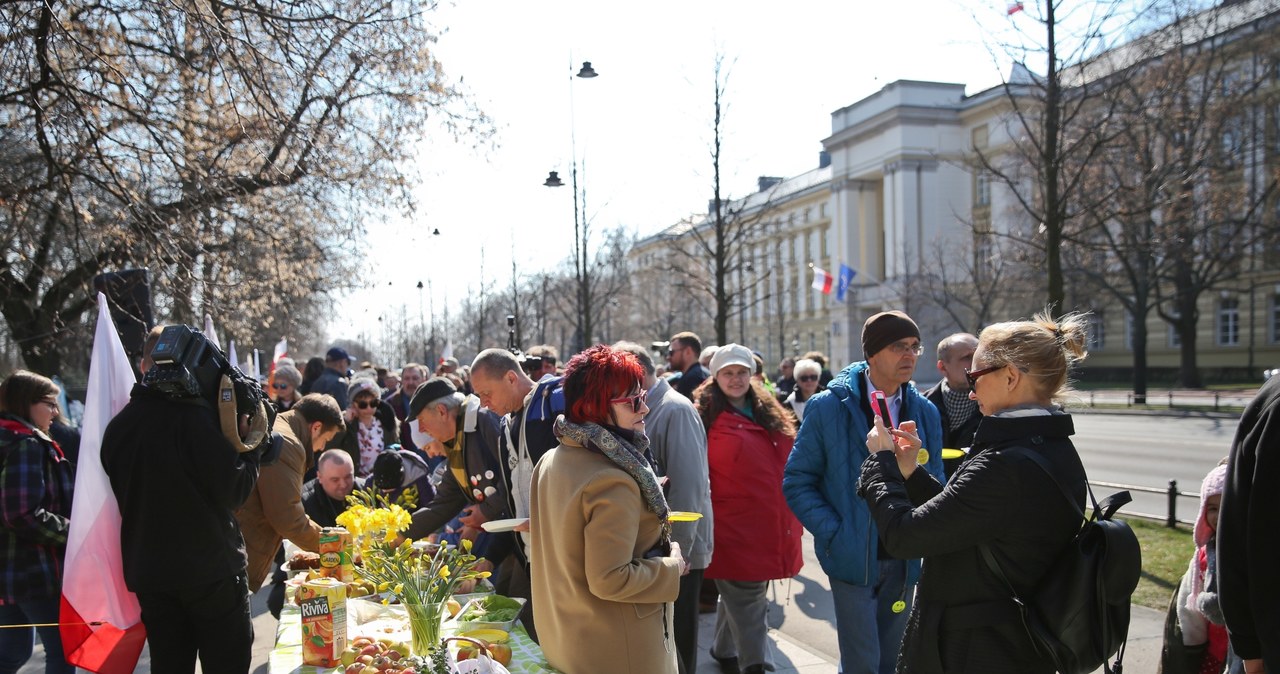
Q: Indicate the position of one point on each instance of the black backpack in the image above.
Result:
(1078, 615)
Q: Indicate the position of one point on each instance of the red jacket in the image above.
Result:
(757, 537)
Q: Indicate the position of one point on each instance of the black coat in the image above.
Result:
(963, 619)
(962, 436)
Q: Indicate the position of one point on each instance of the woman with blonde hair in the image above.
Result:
(756, 537)
(35, 510)
(999, 499)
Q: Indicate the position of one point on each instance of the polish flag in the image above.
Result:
(101, 621)
(282, 350)
(822, 280)
(1014, 8)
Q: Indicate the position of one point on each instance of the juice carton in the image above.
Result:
(336, 549)
(324, 621)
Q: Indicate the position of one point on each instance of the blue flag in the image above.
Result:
(846, 277)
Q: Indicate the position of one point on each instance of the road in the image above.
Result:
(1129, 449)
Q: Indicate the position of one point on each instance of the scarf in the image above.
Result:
(959, 407)
(629, 455)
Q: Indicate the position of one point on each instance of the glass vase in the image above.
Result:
(425, 622)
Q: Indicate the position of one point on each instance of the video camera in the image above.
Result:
(187, 366)
(530, 364)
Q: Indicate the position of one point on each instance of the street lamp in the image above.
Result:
(580, 270)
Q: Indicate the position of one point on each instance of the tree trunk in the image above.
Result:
(1140, 354)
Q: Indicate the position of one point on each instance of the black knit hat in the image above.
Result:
(432, 390)
(886, 328)
(388, 470)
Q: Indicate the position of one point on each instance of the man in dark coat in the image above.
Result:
(333, 381)
(960, 416)
(1249, 588)
(682, 356)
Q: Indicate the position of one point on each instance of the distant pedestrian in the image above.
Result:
(682, 355)
(807, 376)
(960, 415)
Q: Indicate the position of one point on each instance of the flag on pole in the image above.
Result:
(822, 281)
(231, 356)
(210, 333)
(282, 351)
(1014, 8)
(101, 621)
(447, 353)
(257, 367)
(846, 277)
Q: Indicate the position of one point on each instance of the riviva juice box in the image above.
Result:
(324, 621)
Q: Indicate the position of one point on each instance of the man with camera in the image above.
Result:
(181, 457)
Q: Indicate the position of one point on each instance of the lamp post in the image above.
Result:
(581, 277)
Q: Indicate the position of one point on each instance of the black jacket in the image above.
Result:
(962, 436)
(963, 619)
(178, 483)
(319, 507)
(1249, 588)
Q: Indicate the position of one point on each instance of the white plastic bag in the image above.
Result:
(482, 664)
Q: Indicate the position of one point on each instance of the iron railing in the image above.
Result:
(1170, 518)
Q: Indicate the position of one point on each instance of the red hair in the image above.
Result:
(596, 376)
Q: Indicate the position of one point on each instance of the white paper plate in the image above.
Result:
(496, 526)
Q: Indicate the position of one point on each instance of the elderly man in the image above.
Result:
(960, 416)
(273, 511)
(529, 412)
(872, 590)
(678, 441)
(469, 438)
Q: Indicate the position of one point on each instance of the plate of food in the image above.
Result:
(495, 526)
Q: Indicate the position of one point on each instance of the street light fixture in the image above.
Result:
(580, 268)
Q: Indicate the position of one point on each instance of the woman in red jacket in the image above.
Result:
(756, 538)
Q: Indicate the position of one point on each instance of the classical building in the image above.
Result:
(929, 227)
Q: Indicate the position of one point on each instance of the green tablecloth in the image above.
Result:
(286, 658)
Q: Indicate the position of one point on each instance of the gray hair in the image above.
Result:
(494, 363)
(289, 374)
(806, 366)
(646, 361)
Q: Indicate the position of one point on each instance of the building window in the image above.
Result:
(1230, 147)
(822, 210)
(1097, 333)
(1228, 328)
(982, 189)
(1275, 319)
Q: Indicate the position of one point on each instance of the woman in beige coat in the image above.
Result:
(604, 569)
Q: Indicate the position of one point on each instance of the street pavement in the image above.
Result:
(1131, 449)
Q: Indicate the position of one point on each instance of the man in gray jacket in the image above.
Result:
(679, 445)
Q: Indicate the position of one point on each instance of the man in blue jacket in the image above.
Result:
(873, 592)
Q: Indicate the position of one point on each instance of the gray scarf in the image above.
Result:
(628, 456)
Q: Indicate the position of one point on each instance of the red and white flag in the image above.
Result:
(282, 350)
(1014, 8)
(822, 280)
(101, 621)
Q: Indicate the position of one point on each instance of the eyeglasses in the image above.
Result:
(973, 376)
(675, 349)
(636, 400)
(903, 348)
(807, 377)
(279, 386)
(366, 404)
(53, 405)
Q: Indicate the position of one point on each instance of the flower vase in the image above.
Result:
(425, 622)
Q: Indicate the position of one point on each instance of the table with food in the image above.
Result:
(372, 603)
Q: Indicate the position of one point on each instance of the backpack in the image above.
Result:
(1078, 615)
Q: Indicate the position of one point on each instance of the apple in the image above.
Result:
(354, 668)
(501, 653)
(349, 657)
(366, 659)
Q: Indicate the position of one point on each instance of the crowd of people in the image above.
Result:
(904, 491)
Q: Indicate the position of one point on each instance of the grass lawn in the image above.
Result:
(1165, 555)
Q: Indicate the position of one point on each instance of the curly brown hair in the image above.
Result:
(765, 409)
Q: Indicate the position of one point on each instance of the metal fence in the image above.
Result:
(1218, 400)
(1170, 518)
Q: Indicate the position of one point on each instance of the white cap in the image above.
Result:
(732, 354)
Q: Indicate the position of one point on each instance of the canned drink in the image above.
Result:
(324, 621)
(336, 550)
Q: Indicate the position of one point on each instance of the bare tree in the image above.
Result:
(712, 252)
(970, 281)
(1057, 123)
(232, 148)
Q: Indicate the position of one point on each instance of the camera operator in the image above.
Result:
(178, 479)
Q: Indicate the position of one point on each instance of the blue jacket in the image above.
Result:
(820, 480)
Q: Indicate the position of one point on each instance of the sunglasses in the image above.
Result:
(280, 387)
(366, 404)
(636, 400)
(807, 377)
(973, 376)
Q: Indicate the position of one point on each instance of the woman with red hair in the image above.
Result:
(605, 571)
